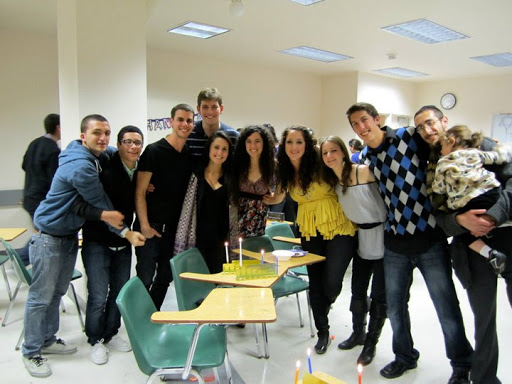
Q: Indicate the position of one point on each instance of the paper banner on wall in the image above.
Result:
(159, 124)
(502, 127)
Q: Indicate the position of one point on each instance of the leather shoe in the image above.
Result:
(395, 369)
(323, 343)
(459, 377)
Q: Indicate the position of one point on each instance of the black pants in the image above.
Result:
(362, 271)
(481, 292)
(326, 278)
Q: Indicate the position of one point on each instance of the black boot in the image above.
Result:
(323, 342)
(377, 319)
(359, 309)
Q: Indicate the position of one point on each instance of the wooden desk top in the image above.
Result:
(310, 258)
(270, 222)
(9, 234)
(292, 240)
(226, 306)
(230, 279)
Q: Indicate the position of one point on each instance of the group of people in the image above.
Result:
(206, 184)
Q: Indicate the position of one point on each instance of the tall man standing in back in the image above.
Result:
(474, 272)
(166, 165)
(40, 163)
(398, 159)
(210, 107)
(53, 251)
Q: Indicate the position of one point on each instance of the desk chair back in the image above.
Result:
(285, 286)
(25, 277)
(162, 349)
(279, 229)
(283, 229)
(4, 259)
(189, 293)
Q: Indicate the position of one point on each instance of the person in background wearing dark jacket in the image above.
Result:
(107, 257)
(54, 249)
(40, 163)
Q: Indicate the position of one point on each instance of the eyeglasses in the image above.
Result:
(130, 142)
(428, 123)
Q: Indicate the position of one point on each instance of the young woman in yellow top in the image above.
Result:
(323, 226)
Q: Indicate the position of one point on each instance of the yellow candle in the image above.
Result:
(297, 372)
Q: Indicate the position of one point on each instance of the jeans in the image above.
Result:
(435, 267)
(362, 271)
(326, 277)
(53, 261)
(153, 265)
(107, 271)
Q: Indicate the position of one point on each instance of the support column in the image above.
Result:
(102, 63)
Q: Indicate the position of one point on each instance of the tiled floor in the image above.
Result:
(288, 342)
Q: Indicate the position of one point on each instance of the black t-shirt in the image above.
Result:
(171, 172)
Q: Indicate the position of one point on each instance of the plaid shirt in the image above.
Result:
(399, 165)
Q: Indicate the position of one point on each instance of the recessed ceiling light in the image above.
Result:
(202, 31)
(306, 2)
(315, 54)
(401, 72)
(425, 31)
(497, 60)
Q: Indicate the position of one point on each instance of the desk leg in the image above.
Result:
(257, 335)
(192, 351)
(265, 340)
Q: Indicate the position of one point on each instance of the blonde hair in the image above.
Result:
(463, 136)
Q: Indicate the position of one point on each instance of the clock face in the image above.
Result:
(448, 101)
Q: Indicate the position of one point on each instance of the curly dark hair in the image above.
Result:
(241, 160)
(328, 174)
(310, 164)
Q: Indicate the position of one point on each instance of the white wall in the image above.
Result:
(478, 98)
(251, 94)
(338, 93)
(28, 92)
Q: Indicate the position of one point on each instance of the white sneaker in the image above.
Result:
(37, 366)
(120, 344)
(99, 353)
(60, 347)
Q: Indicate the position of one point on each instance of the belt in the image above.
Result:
(71, 236)
(369, 225)
(161, 228)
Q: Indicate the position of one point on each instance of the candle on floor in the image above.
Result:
(297, 368)
(359, 373)
(240, 242)
(309, 361)
(262, 260)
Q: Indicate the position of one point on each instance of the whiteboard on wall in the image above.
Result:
(502, 127)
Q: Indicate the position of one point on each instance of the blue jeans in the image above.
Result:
(107, 271)
(435, 267)
(53, 261)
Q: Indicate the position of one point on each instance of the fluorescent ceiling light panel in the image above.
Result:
(306, 2)
(202, 31)
(401, 72)
(497, 60)
(425, 31)
(315, 54)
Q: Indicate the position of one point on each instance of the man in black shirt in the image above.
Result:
(40, 163)
(166, 165)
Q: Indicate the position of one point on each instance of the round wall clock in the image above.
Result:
(448, 101)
